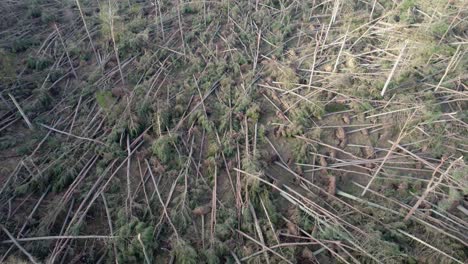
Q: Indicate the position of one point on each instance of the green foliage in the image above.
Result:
(360, 106)
(7, 67)
(61, 177)
(163, 148)
(105, 99)
(132, 44)
(182, 217)
(243, 103)
(439, 28)
(226, 223)
(184, 253)
(406, 9)
(252, 166)
(38, 63)
(137, 25)
(407, 4)
(94, 76)
(380, 248)
(213, 148)
(211, 257)
(108, 18)
(307, 223)
(35, 11)
(189, 8)
(55, 74)
(285, 75)
(301, 151)
(253, 113)
(22, 44)
(48, 18)
(25, 148)
(267, 199)
(302, 115)
(228, 146)
(22, 189)
(335, 107)
(261, 134)
(203, 120)
(129, 247)
(7, 142)
(163, 118)
(216, 253)
(454, 196)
